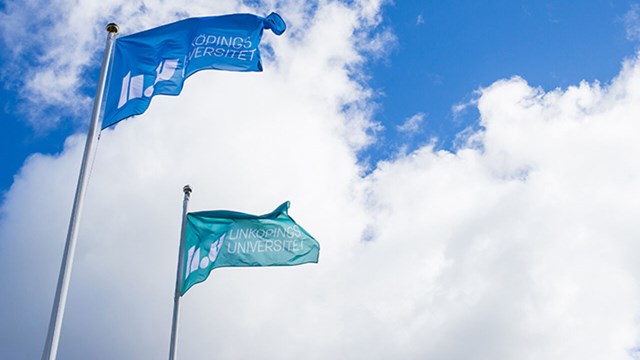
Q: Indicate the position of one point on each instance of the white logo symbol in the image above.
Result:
(132, 86)
(193, 256)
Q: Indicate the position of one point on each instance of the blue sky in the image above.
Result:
(470, 170)
(443, 52)
(446, 50)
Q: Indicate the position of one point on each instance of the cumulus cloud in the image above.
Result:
(519, 245)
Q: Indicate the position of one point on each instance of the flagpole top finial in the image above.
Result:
(113, 28)
(187, 189)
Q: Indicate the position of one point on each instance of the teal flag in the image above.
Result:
(216, 239)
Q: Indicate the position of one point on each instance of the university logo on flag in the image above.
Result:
(216, 239)
(157, 61)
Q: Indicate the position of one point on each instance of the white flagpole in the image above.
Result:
(173, 349)
(57, 313)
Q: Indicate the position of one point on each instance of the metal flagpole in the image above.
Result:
(173, 349)
(57, 313)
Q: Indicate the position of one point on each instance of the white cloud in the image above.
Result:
(411, 124)
(459, 108)
(522, 248)
(507, 248)
(631, 21)
(420, 19)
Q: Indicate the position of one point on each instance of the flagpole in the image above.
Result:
(57, 313)
(173, 349)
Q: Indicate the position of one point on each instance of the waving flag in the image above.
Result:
(225, 238)
(157, 61)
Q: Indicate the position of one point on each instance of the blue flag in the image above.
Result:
(157, 61)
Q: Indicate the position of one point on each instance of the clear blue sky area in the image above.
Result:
(448, 49)
(444, 51)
